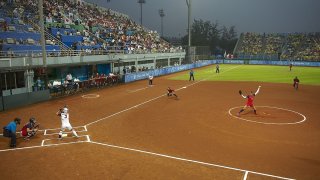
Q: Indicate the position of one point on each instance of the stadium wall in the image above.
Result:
(169, 70)
(13, 101)
(268, 62)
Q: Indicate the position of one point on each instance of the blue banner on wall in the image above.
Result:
(285, 63)
(158, 72)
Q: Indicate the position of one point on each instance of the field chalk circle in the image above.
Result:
(270, 123)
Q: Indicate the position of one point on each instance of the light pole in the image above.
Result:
(189, 30)
(161, 13)
(189, 22)
(141, 2)
(43, 42)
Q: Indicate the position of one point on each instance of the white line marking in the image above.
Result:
(266, 123)
(153, 99)
(136, 90)
(64, 138)
(90, 96)
(60, 128)
(42, 143)
(245, 175)
(67, 132)
(189, 160)
(45, 132)
(85, 128)
(32, 147)
(88, 138)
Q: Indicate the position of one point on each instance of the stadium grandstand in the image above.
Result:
(278, 46)
(80, 38)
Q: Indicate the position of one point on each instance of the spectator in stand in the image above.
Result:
(69, 77)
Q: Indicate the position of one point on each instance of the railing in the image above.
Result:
(50, 37)
(87, 52)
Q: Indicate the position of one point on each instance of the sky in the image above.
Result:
(268, 16)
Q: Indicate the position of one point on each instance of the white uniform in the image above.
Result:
(64, 115)
(65, 121)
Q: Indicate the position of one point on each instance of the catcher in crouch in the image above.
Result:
(30, 129)
(250, 99)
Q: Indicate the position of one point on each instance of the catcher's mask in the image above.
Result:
(32, 120)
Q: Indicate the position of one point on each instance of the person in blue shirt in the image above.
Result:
(10, 131)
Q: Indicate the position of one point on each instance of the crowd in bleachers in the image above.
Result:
(292, 46)
(81, 26)
(251, 43)
(17, 37)
(303, 47)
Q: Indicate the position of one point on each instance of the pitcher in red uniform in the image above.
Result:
(250, 99)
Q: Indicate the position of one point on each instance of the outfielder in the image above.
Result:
(250, 99)
(64, 115)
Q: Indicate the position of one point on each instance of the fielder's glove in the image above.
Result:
(240, 92)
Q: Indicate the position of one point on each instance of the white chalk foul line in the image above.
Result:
(153, 99)
(48, 145)
(136, 90)
(266, 123)
(192, 161)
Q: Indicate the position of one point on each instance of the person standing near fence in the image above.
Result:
(150, 80)
(217, 68)
(191, 73)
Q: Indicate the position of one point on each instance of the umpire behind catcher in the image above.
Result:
(10, 131)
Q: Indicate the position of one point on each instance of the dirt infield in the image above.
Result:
(134, 131)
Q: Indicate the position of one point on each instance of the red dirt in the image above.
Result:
(196, 126)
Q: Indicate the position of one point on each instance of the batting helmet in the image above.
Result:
(65, 110)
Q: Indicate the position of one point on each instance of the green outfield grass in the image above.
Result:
(258, 73)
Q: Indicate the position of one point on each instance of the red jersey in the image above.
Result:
(24, 131)
(170, 90)
(250, 99)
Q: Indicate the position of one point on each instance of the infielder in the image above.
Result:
(250, 99)
(64, 115)
(171, 92)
